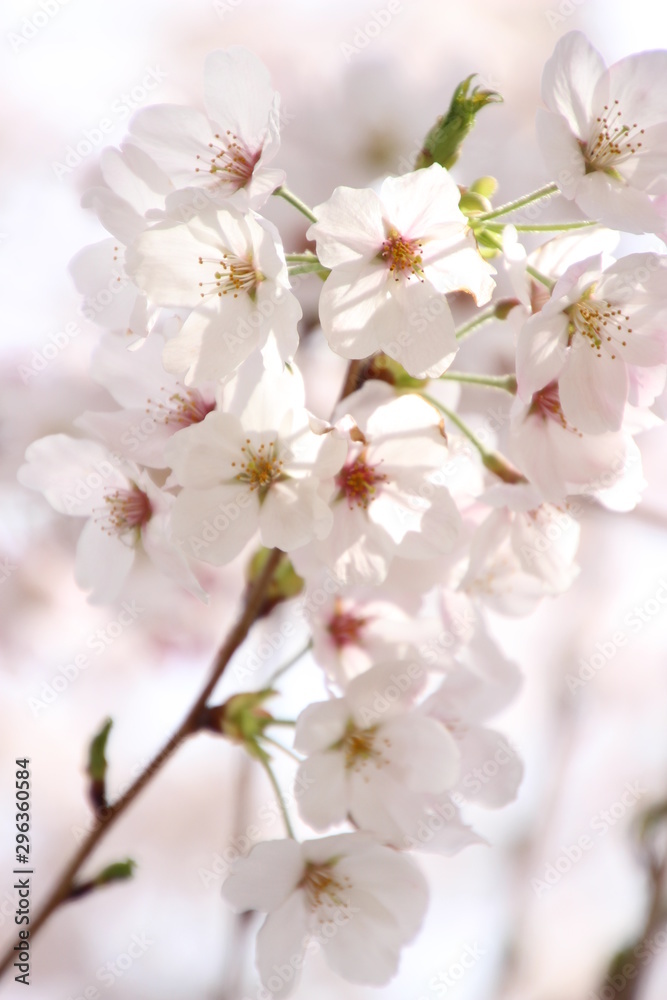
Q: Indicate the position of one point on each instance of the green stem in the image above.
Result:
(484, 317)
(511, 206)
(554, 227)
(289, 196)
(281, 802)
(281, 746)
(542, 278)
(314, 267)
(492, 460)
(297, 258)
(506, 382)
(290, 663)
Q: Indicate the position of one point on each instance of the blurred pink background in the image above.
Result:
(351, 115)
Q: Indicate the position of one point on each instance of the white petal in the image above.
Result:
(281, 942)
(350, 227)
(321, 789)
(541, 352)
(423, 751)
(593, 389)
(103, 561)
(569, 80)
(266, 878)
(320, 725)
(214, 525)
(561, 152)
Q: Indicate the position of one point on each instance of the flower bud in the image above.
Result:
(443, 143)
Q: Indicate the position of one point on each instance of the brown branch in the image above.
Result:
(190, 724)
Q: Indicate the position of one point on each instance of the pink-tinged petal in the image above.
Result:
(395, 881)
(103, 561)
(541, 352)
(356, 310)
(109, 297)
(321, 789)
(417, 203)
(646, 170)
(167, 557)
(202, 455)
(321, 725)
(442, 830)
(237, 92)
(214, 525)
(281, 942)
(292, 514)
(384, 691)
(632, 82)
(491, 769)
(423, 751)
(616, 205)
(425, 348)
(266, 878)
(350, 227)
(569, 80)
(459, 267)
(165, 263)
(175, 137)
(593, 389)
(366, 949)
(561, 152)
(72, 473)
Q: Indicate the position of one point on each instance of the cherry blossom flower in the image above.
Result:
(393, 257)
(225, 156)
(558, 459)
(386, 504)
(371, 755)
(266, 471)
(359, 900)
(604, 136)
(133, 196)
(521, 552)
(126, 511)
(154, 404)
(230, 270)
(597, 326)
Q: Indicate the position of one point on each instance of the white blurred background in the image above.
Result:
(352, 116)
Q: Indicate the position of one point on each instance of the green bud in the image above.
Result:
(97, 765)
(443, 143)
(472, 203)
(116, 872)
(486, 186)
(285, 584)
(243, 719)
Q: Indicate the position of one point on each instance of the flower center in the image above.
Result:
(599, 323)
(357, 482)
(182, 408)
(402, 255)
(546, 403)
(230, 274)
(261, 467)
(360, 746)
(345, 627)
(325, 891)
(612, 141)
(126, 511)
(231, 162)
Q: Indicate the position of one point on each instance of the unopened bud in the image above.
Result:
(443, 143)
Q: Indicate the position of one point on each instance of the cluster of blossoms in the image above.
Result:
(412, 513)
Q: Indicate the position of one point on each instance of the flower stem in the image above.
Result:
(290, 663)
(493, 461)
(549, 227)
(313, 267)
(542, 278)
(288, 195)
(511, 206)
(305, 258)
(279, 795)
(506, 382)
(254, 601)
(484, 317)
